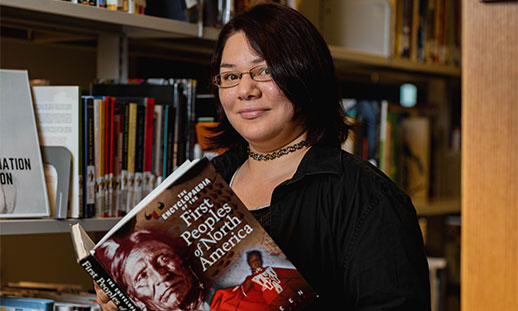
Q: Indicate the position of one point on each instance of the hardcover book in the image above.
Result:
(192, 245)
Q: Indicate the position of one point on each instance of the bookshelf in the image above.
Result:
(61, 17)
(44, 226)
(97, 32)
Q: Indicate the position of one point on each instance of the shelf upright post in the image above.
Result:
(112, 57)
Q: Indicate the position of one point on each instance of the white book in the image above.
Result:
(23, 192)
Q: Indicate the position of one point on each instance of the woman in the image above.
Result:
(347, 228)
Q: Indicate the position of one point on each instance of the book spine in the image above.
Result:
(132, 139)
(99, 119)
(124, 169)
(148, 147)
(107, 284)
(158, 144)
(117, 160)
(165, 140)
(111, 5)
(109, 148)
(139, 153)
(77, 212)
(189, 129)
(89, 159)
(178, 143)
(171, 130)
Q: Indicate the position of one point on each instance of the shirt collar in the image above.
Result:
(320, 159)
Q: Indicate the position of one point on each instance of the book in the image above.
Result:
(22, 181)
(59, 122)
(100, 155)
(148, 179)
(88, 156)
(416, 158)
(25, 304)
(194, 235)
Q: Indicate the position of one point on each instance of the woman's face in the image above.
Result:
(157, 277)
(258, 111)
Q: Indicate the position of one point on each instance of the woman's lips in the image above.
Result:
(252, 113)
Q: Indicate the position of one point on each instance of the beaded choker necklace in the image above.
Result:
(276, 154)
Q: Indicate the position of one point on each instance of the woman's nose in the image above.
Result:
(247, 88)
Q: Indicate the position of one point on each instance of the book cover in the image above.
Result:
(192, 245)
(59, 124)
(22, 182)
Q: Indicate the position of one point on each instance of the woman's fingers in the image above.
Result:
(103, 300)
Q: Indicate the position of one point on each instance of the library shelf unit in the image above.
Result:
(61, 16)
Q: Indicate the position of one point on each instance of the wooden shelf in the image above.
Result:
(438, 207)
(41, 226)
(343, 56)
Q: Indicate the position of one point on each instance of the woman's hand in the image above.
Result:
(103, 300)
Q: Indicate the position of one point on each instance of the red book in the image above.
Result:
(148, 146)
(109, 149)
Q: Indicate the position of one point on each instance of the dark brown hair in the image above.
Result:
(301, 66)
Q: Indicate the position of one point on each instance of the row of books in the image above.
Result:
(34, 296)
(130, 6)
(395, 139)
(124, 139)
(212, 13)
(428, 31)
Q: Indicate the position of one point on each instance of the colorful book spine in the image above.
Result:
(118, 128)
(99, 154)
(109, 142)
(148, 147)
(132, 140)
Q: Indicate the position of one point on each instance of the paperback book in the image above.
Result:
(191, 244)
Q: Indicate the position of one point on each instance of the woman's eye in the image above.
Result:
(264, 71)
(229, 76)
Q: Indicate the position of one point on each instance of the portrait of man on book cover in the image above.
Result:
(152, 268)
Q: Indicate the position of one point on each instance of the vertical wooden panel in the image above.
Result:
(489, 156)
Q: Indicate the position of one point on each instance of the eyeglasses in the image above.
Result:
(232, 78)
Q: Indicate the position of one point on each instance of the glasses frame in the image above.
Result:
(240, 76)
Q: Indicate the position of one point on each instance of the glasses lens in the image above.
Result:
(227, 79)
(261, 73)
